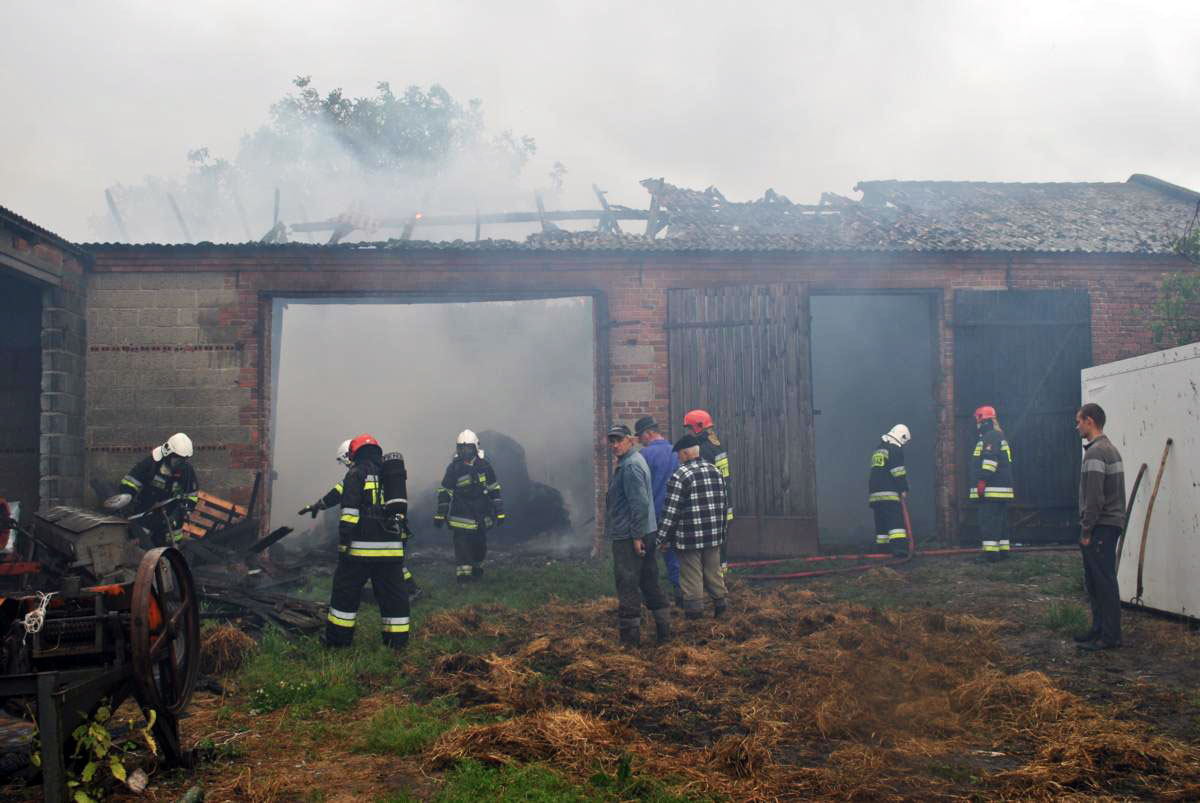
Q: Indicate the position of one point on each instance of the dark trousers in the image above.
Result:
(470, 548)
(889, 527)
(993, 528)
(387, 581)
(1100, 581)
(637, 578)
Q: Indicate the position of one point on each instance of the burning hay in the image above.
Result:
(789, 697)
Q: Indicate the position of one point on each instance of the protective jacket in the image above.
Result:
(712, 451)
(889, 477)
(152, 481)
(469, 498)
(992, 464)
(365, 532)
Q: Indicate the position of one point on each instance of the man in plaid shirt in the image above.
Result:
(693, 522)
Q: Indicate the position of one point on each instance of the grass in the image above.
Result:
(302, 675)
(471, 781)
(410, 729)
(1065, 617)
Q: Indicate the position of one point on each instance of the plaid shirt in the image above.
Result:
(694, 515)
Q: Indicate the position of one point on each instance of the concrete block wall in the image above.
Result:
(163, 358)
(64, 389)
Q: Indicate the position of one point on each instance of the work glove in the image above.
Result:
(979, 486)
(312, 510)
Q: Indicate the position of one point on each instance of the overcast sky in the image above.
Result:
(798, 96)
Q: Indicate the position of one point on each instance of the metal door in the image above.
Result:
(1021, 351)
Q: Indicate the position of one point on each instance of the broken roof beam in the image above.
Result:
(615, 212)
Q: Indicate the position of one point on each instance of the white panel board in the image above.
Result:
(1148, 399)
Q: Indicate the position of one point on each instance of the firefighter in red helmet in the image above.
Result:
(992, 483)
(371, 548)
(700, 424)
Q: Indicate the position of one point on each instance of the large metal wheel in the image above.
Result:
(165, 630)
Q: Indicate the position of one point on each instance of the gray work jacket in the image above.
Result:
(629, 509)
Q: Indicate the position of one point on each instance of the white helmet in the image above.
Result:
(898, 435)
(178, 443)
(467, 437)
(343, 453)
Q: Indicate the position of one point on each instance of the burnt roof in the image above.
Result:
(1142, 215)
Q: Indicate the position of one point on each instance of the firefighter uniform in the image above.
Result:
(371, 547)
(334, 498)
(992, 468)
(469, 502)
(152, 481)
(888, 480)
(713, 452)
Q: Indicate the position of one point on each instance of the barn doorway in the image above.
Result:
(414, 373)
(874, 364)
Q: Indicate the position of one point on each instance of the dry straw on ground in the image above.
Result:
(224, 649)
(791, 698)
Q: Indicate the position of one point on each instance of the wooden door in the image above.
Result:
(742, 353)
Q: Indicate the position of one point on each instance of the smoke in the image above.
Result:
(414, 375)
(365, 161)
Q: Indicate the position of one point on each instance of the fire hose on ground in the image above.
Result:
(889, 560)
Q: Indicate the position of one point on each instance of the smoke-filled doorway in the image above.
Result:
(873, 367)
(520, 373)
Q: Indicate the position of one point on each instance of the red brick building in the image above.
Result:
(1005, 290)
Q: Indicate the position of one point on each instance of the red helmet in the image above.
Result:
(984, 413)
(360, 442)
(698, 421)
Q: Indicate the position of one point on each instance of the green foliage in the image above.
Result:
(98, 761)
(408, 730)
(1176, 313)
(1065, 617)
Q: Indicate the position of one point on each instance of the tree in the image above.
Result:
(329, 154)
(1177, 310)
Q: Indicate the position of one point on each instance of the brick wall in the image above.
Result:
(64, 351)
(180, 336)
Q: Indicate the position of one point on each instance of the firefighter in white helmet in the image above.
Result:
(469, 501)
(887, 485)
(166, 474)
(333, 497)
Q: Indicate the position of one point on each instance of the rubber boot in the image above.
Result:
(719, 608)
(662, 625)
(630, 631)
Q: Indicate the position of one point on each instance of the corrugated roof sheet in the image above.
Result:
(11, 217)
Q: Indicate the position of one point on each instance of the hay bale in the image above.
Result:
(223, 649)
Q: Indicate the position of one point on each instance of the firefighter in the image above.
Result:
(887, 486)
(334, 497)
(371, 547)
(469, 500)
(165, 476)
(992, 484)
(700, 424)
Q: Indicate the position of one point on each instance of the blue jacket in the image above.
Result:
(629, 512)
(662, 462)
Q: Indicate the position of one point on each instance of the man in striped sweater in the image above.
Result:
(1101, 519)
